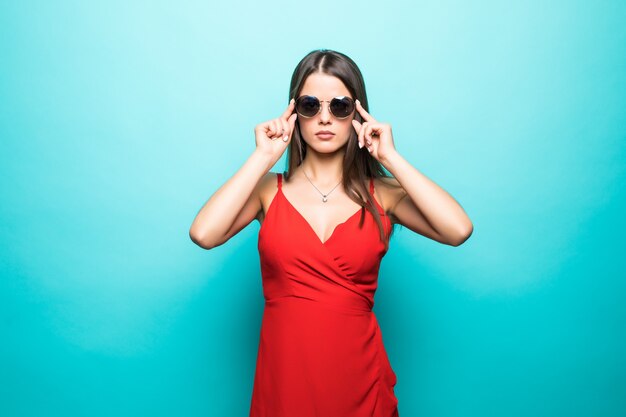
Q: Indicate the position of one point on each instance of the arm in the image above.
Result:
(234, 205)
(238, 201)
(425, 207)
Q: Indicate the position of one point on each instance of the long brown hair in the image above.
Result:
(358, 165)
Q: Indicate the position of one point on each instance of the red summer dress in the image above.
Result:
(321, 351)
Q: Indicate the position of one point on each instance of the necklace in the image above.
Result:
(324, 196)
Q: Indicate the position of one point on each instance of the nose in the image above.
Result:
(325, 112)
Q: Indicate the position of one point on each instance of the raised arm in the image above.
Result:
(237, 202)
(425, 207)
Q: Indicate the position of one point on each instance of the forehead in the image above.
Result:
(324, 86)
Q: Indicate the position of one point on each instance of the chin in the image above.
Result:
(327, 148)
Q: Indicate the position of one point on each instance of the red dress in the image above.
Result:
(321, 351)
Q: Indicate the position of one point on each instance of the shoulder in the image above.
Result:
(268, 184)
(266, 189)
(389, 191)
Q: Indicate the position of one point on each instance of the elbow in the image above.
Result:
(197, 240)
(201, 241)
(462, 236)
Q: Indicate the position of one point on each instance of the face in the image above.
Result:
(325, 87)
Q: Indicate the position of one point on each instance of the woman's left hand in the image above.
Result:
(377, 137)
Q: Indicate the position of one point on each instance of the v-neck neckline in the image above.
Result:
(337, 226)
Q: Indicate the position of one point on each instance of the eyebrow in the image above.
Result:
(313, 95)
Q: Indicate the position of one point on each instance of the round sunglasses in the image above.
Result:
(340, 107)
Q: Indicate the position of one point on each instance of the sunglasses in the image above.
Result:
(340, 107)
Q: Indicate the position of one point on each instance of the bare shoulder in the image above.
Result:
(389, 192)
(266, 189)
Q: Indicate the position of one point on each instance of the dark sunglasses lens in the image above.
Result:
(307, 106)
(342, 107)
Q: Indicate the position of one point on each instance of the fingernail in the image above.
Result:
(292, 101)
(357, 100)
(360, 145)
(285, 138)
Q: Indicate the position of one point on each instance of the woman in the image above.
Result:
(321, 351)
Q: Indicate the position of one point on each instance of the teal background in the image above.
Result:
(118, 120)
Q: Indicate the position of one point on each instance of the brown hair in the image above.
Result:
(358, 165)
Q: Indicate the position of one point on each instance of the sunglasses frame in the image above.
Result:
(329, 108)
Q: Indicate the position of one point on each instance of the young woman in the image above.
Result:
(325, 226)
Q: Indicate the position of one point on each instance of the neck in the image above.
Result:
(323, 169)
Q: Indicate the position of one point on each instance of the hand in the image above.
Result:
(273, 137)
(377, 137)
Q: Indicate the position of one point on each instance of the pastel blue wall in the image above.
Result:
(119, 119)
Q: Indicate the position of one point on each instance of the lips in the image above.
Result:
(325, 134)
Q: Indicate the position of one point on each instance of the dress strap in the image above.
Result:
(279, 179)
(372, 186)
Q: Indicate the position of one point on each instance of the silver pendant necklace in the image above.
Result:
(324, 196)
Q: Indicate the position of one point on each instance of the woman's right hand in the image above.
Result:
(273, 136)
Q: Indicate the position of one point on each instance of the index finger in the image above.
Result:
(289, 110)
(366, 115)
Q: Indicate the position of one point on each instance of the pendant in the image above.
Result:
(324, 199)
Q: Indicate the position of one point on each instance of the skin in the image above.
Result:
(419, 204)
